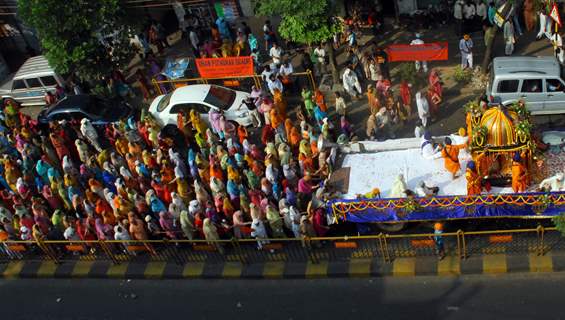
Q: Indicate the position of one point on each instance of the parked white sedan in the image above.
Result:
(202, 98)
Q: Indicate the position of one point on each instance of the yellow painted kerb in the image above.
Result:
(232, 270)
(155, 270)
(495, 263)
(541, 263)
(13, 269)
(46, 269)
(193, 270)
(273, 270)
(360, 268)
(117, 270)
(317, 270)
(449, 266)
(82, 269)
(404, 267)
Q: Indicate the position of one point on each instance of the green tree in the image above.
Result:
(559, 222)
(71, 34)
(304, 21)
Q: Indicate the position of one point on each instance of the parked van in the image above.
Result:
(30, 82)
(537, 80)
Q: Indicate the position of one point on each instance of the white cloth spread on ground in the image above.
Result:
(380, 170)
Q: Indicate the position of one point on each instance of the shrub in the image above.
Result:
(407, 71)
(559, 222)
(463, 75)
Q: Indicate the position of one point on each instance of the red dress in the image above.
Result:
(405, 94)
(320, 223)
(434, 82)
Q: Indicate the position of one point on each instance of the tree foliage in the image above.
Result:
(303, 21)
(71, 34)
(559, 222)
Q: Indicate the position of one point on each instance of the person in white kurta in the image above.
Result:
(424, 64)
(427, 148)
(557, 42)
(423, 108)
(509, 37)
(545, 26)
(466, 50)
(286, 69)
(180, 13)
(87, 130)
(351, 82)
(276, 54)
(399, 187)
(259, 232)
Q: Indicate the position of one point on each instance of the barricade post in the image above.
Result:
(47, 250)
(383, 246)
(156, 86)
(104, 246)
(461, 247)
(237, 249)
(540, 247)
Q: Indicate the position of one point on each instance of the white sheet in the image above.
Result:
(379, 169)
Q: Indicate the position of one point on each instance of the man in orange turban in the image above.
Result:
(519, 177)
(450, 153)
(473, 179)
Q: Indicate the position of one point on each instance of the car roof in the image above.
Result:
(526, 66)
(36, 66)
(196, 92)
(71, 102)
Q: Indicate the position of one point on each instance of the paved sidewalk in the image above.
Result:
(450, 266)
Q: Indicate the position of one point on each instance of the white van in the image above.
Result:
(31, 81)
(537, 80)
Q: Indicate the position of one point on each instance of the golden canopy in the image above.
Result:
(500, 126)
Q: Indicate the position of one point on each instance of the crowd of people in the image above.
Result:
(389, 109)
(519, 17)
(131, 181)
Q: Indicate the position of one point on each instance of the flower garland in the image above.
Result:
(545, 200)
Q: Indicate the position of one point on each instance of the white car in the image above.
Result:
(202, 98)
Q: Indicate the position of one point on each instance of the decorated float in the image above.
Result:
(499, 140)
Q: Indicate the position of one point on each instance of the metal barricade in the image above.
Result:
(20, 250)
(384, 247)
(503, 241)
(298, 79)
(417, 245)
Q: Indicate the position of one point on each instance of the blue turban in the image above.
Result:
(471, 165)
(517, 157)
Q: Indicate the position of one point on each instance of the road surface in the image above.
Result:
(527, 296)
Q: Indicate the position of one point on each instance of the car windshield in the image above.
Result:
(164, 102)
(219, 97)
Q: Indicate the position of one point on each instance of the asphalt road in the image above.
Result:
(479, 297)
